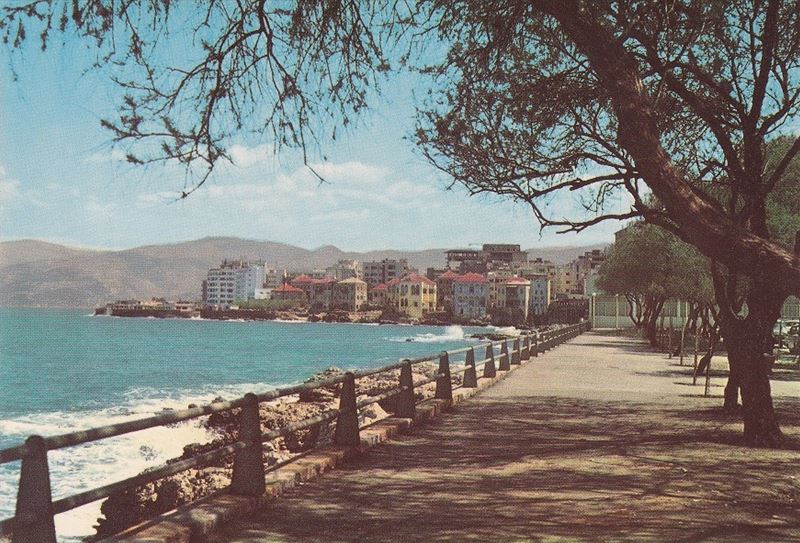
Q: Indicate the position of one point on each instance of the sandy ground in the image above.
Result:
(597, 440)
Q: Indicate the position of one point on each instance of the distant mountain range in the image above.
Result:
(41, 274)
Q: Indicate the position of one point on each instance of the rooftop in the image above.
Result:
(416, 278)
(471, 278)
(286, 287)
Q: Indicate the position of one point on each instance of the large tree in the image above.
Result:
(607, 100)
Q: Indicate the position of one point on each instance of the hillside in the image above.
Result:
(39, 274)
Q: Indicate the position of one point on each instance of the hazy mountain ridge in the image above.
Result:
(41, 274)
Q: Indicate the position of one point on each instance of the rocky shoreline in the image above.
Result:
(128, 508)
(376, 316)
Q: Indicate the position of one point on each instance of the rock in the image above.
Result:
(322, 394)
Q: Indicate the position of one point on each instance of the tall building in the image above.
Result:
(492, 256)
(274, 278)
(565, 281)
(540, 295)
(383, 271)
(584, 265)
(470, 296)
(232, 281)
(517, 296)
(444, 290)
(497, 280)
(345, 269)
(503, 255)
(466, 260)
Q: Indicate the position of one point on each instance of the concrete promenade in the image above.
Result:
(597, 440)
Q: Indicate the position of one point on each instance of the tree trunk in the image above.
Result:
(746, 339)
(651, 320)
(731, 402)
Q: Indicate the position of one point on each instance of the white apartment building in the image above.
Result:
(233, 281)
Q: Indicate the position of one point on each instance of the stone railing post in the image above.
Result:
(526, 348)
(444, 384)
(33, 520)
(534, 352)
(347, 422)
(248, 466)
(516, 359)
(505, 362)
(489, 369)
(471, 374)
(406, 402)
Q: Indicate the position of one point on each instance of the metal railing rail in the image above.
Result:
(35, 508)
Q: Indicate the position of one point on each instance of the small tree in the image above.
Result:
(650, 266)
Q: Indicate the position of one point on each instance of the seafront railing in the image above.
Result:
(33, 521)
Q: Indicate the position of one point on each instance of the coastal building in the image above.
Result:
(503, 255)
(263, 294)
(444, 290)
(584, 265)
(470, 296)
(303, 282)
(288, 293)
(497, 284)
(320, 293)
(345, 269)
(274, 278)
(349, 294)
(466, 260)
(232, 281)
(377, 296)
(383, 271)
(414, 295)
(537, 267)
(540, 295)
(516, 296)
(156, 307)
(565, 281)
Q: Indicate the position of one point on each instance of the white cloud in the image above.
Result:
(246, 157)
(114, 155)
(9, 190)
(11, 193)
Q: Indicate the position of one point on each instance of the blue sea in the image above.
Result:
(64, 370)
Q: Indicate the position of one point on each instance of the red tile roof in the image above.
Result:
(517, 281)
(471, 278)
(417, 278)
(323, 280)
(393, 282)
(286, 287)
(302, 278)
(380, 286)
(449, 274)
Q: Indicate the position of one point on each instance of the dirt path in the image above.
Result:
(597, 440)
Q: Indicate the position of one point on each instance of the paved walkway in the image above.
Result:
(596, 440)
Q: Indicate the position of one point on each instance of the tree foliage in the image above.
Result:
(649, 266)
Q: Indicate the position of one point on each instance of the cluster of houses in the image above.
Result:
(475, 285)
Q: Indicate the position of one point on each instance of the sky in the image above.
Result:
(62, 180)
